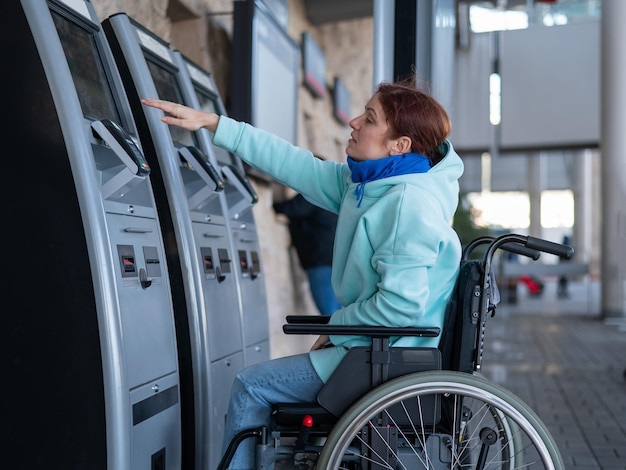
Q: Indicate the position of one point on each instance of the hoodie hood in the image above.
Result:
(440, 182)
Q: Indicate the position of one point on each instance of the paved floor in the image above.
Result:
(568, 364)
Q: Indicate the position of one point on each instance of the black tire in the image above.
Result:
(487, 427)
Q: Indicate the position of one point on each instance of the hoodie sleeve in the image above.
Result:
(321, 181)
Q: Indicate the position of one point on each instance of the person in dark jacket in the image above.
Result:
(312, 231)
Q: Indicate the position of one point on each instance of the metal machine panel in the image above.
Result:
(191, 193)
(148, 331)
(156, 423)
(258, 352)
(219, 289)
(253, 293)
(239, 198)
(226, 369)
(76, 331)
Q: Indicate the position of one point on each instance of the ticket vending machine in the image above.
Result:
(90, 362)
(239, 196)
(194, 190)
(200, 92)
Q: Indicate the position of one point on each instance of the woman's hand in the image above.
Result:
(183, 116)
(321, 342)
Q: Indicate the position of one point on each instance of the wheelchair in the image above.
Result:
(390, 407)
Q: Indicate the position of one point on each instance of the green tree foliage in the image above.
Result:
(464, 222)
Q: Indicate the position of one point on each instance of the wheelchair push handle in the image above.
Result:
(562, 251)
(509, 240)
(512, 247)
(522, 250)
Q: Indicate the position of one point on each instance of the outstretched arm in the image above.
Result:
(183, 116)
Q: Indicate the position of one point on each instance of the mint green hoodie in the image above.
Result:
(396, 257)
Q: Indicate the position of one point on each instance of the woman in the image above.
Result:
(396, 256)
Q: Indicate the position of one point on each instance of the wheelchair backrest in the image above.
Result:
(461, 338)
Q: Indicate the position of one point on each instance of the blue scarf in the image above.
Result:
(395, 165)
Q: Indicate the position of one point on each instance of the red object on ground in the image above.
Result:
(534, 285)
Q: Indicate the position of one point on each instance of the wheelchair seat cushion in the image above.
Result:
(361, 370)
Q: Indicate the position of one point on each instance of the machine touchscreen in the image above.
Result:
(209, 105)
(167, 89)
(88, 73)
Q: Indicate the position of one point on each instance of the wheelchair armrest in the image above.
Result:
(359, 330)
(309, 319)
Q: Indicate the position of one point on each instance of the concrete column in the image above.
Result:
(582, 189)
(613, 145)
(536, 175)
(384, 14)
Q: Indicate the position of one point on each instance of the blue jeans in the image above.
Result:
(322, 290)
(290, 379)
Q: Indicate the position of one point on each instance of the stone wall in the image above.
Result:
(202, 31)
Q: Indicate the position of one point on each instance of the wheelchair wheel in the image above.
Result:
(440, 420)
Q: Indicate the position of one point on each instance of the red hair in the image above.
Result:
(416, 114)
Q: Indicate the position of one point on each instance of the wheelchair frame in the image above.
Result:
(364, 418)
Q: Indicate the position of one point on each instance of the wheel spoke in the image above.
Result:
(440, 421)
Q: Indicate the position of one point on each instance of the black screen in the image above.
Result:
(167, 89)
(90, 79)
(209, 105)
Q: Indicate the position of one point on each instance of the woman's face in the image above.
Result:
(369, 139)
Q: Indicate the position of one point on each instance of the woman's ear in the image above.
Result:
(401, 145)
